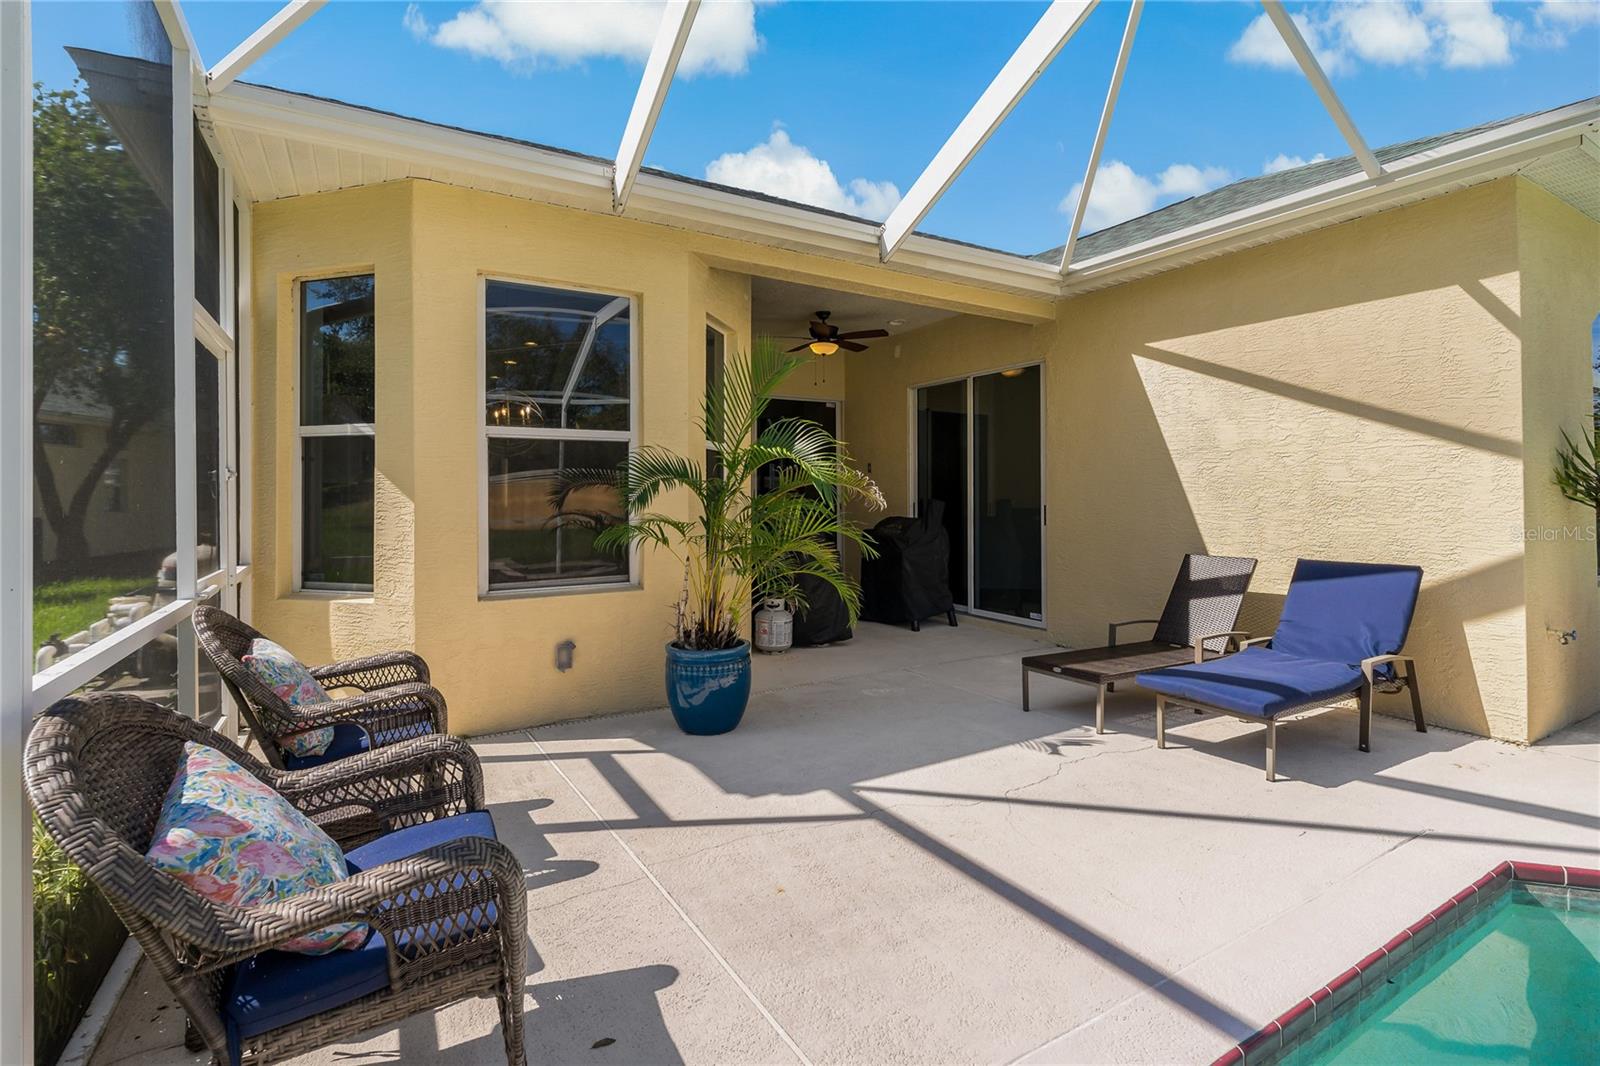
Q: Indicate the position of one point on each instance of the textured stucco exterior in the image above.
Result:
(1559, 251)
(428, 245)
(1384, 389)
(1372, 391)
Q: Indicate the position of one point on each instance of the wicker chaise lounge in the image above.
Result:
(1340, 634)
(446, 901)
(395, 703)
(1198, 619)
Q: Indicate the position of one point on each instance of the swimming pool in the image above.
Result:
(1508, 970)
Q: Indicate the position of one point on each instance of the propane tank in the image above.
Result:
(774, 627)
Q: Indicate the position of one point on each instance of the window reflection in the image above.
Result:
(104, 490)
(537, 534)
(556, 359)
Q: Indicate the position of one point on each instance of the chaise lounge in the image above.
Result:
(1340, 634)
(1199, 617)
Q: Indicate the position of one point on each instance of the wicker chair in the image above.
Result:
(395, 703)
(446, 901)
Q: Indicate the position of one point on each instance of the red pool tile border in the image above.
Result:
(1265, 1044)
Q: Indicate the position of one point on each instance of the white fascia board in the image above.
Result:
(674, 202)
(578, 181)
(259, 43)
(343, 126)
(676, 21)
(1480, 157)
(1042, 44)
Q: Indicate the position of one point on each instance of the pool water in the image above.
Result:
(1518, 982)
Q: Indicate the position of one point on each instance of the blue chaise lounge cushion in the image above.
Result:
(1258, 681)
(1334, 616)
(1347, 612)
(277, 988)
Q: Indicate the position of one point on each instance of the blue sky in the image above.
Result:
(842, 103)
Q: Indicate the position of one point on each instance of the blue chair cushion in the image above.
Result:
(1347, 612)
(414, 839)
(1261, 682)
(277, 988)
(350, 739)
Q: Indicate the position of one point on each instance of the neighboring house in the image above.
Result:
(1305, 364)
(136, 525)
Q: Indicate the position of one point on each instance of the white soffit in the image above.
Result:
(1572, 174)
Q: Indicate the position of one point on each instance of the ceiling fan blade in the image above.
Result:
(798, 348)
(861, 334)
(851, 346)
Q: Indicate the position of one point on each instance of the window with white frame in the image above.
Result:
(716, 361)
(337, 331)
(558, 395)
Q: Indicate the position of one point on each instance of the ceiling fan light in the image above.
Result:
(1014, 372)
(823, 347)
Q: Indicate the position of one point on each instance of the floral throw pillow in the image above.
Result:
(234, 840)
(293, 683)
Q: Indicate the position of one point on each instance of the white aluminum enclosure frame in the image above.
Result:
(23, 692)
(16, 529)
(676, 22)
(1319, 81)
(1042, 44)
(1134, 11)
(259, 43)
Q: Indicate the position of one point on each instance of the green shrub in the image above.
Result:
(75, 938)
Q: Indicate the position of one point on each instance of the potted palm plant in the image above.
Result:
(737, 547)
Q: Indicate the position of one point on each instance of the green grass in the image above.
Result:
(67, 606)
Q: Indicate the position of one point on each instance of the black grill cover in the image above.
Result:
(824, 620)
(910, 578)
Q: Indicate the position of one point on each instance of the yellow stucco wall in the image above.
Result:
(1559, 251)
(428, 245)
(1359, 392)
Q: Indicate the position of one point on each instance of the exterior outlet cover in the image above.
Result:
(564, 652)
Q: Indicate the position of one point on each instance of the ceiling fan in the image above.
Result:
(826, 339)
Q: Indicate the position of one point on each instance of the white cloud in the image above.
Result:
(565, 32)
(1121, 193)
(1569, 12)
(1554, 21)
(779, 167)
(1449, 33)
(1380, 32)
(1261, 45)
(415, 22)
(1289, 162)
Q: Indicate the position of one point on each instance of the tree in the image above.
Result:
(102, 298)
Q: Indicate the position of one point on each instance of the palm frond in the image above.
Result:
(1576, 463)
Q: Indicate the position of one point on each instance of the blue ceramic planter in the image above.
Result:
(708, 690)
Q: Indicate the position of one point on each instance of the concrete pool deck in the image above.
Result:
(890, 862)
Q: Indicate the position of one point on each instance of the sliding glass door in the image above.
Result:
(979, 451)
(942, 469)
